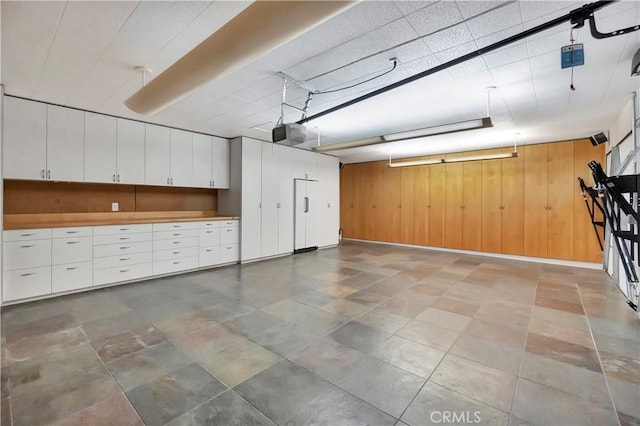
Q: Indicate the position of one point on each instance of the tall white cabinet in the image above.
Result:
(262, 194)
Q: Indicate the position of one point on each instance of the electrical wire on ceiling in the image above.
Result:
(322, 92)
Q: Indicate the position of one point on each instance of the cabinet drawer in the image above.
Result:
(122, 229)
(172, 235)
(209, 237)
(122, 260)
(26, 283)
(71, 250)
(121, 273)
(175, 243)
(71, 276)
(120, 249)
(229, 235)
(26, 254)
(175, 253)
(26, 234)
(123, 238)
(209, 256)
(229, 253)
(81, 231)
(172, 226)
(227, 223)
(169, 266)
(211, 224)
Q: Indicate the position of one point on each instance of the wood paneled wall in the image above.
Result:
(22, 197)
(530, 205)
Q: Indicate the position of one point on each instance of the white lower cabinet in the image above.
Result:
(26, 264)
(26, 283)
(121, 273)
(174, 265)
(71, 276)
(229, 253)
(209, 256)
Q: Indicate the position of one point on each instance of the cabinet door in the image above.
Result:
(472, 206)
(379, 193)
(561, 190)
(407, 216)
(369, 200)
(513, 194)
(535, 200)
(25, 139)
(453, 205)
(333, 204)
(491, 205)
(436, 205)
(347, 192)
(65, 144)
(358, 202)
(421, 202)
(202, 158)
(100, 146)
(181, 157)
(157, 155)
(311, 160)
(251, 194)
(285, 199)
(220, 172)
(328, 223)
(391, 204)
(131, 152)
(300, 164)
(586, 247)
(269, 197)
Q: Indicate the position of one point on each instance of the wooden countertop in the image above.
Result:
(63, 220)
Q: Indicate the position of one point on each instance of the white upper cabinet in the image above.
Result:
(328, 200)
(25, 139)
(202, 161)
(285, 199)
(100, 144)
(305, 164)
(65, 144)
(220, 171)
(251, 243)
(181, 157)
(157, 155)
(131, 152)
(269, 197)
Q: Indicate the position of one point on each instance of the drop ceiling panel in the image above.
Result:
(435, 17)
(448, 38)
(408, 7)
(499, 19)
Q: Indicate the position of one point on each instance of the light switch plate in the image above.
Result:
(115, 207)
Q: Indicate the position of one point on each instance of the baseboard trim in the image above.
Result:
(544, 260)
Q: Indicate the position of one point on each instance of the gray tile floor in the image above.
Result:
(360, 334)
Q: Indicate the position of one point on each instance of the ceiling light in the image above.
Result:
(513, 154)
(257, 30)
(461, 126)
(350, 144)
(415, 163)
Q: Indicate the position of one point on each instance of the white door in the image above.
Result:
(25, 139)
(269, 191)
(300, 164)
(220, 172)
(100, 145)
(285, 199)
(314, 212)
(131, 152)
(181, 157)
(300, 219)
(202, 157)
(157, 155)
(311, 160)
(65, 144)
(251, 194)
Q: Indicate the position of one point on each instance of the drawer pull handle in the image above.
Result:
(123, 259)
(124, 229)
(73, 242)
(177, 252)
(72, 268)
(177, 262)
(229, 248)
(177, 226)
(72, 232)
(27, 235)
(125, 248)
(177, 242)
(124, 238)
(208, 224)
(124, 270)
(27, 274)
(177, 234)
(209, 232)
(27, 246)
(229, 230)
(209, 250)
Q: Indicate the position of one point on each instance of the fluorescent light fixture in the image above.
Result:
(461, 126)
(513, 154)
(350, 144)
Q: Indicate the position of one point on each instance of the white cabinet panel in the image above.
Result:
(229, 235)
(131, 152)
(209, 237)
(100, 144)
(180, 233)
(181, 157)
(300, 164)
(26, 234)
(269, 196)
(285, 199)
(157, 155)
(202, 161)
(123, 229)
(122, 238)
(170, 266)
(65, 144)
(71, 250)
(251, 194)
(311, 160)
(121, 273)
(26, 254)
(175, 243)
(81, 231)
(229, 253)
(329, 200)
(220, 171)
(26, 283)
(122, 249)
(174, 253)
(174, 226)
(209, 256)
(71, 277)
(122, 260)
(25, 139)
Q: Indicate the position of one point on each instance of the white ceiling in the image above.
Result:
(83, 54)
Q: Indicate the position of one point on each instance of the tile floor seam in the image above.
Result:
(524, 351)
(126, 397)
(593, 340)
(199, 405)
